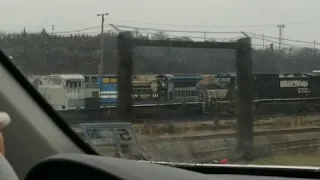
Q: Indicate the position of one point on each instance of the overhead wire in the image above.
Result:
(186, 31)
(253, 44)
(181, 31)
(276, 42)
(218, 26)
(194, 37)
(285, 39)
(213, 32)
(78, 30)
(252, 35)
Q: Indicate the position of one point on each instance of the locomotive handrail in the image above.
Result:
(276, 99)
(285, 99)
(91, 85)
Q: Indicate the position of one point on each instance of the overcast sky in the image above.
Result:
(77, 14)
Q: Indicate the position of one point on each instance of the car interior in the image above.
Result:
(40, 145)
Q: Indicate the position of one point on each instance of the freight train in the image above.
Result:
(273, 86)
(148, 89)
(278, 93)
(171, 96)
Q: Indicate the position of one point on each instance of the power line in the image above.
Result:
(194, 37)
(253, 35)
(219, 26)
(79, 30)
(181, 31)
(265, 38)
(213, 32)
(292, 40)
(273, 41)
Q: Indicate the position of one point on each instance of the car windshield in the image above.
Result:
(177, 81)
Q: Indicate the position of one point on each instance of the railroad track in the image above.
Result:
(261, 150)
(222, 117)
(233, 134)
(274, 146)
(206, 118)
(195, 118)
(222, 135)
(221, 126)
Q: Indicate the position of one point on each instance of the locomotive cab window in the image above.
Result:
(94, 79)
(73, 84)
(86, 79)
(55, 81)
(224, 80)
(113, 80)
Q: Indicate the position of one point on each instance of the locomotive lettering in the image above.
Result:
(304, 90)
(216, 93)
(293, 83)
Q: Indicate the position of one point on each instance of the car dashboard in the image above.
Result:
(76, 166)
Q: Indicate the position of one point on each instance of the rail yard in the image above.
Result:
(193, 112)
(272, 137)
(228, 89)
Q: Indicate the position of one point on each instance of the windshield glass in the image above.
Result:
(191, 81)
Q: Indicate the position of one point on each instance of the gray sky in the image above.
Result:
(77, 14)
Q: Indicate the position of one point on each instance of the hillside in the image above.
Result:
(44, 54)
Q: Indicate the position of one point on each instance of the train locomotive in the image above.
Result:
(277, 93)
(178, 96)
(154, 97)
(276, 86)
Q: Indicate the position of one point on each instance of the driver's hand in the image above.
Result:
(4, 122)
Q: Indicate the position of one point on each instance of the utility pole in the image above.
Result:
(314, 45)
(280, 26)
(52, 26)
(101, 45)
(25, 59)
(24, 42)
(204, 36)
(263, 41)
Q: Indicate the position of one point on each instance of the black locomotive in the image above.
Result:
(277, 86)
(278, 93)
(274, 86)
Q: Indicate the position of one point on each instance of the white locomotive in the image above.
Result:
(64, 91)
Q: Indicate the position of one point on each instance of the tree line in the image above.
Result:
(42, 53)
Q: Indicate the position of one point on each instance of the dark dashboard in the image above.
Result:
(73, 166)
